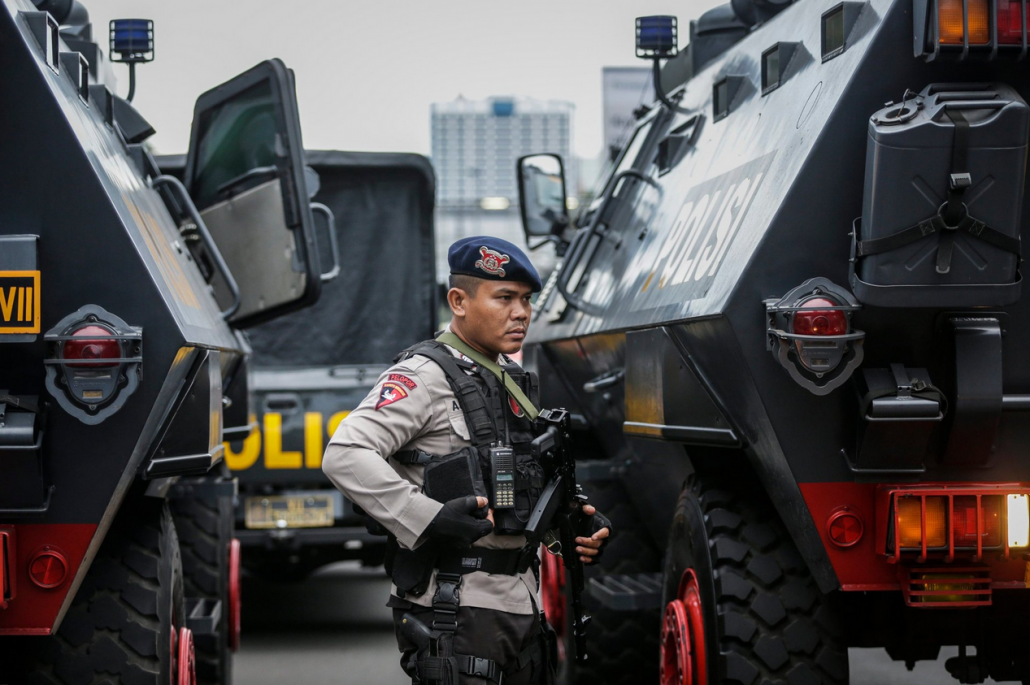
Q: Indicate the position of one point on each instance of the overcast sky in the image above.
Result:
(368, 70)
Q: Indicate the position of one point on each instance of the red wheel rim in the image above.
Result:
(552, 596)
(683, 637)
(676, 663)
(234, 595)
(187, 659)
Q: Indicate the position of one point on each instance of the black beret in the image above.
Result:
(493, 259)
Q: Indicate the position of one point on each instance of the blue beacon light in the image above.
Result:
(657, 39)
(656, 36)
(132, 43)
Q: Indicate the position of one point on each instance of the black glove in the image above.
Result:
(455, 524)
(586, 525)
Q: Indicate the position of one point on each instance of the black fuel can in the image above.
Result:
(910, 174)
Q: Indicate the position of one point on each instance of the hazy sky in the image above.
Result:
(368, 71)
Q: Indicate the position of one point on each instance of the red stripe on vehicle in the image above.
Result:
(34, 609)
(861, 566)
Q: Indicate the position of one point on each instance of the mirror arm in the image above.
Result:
(334, 245)
(256, 172)
(184, 197)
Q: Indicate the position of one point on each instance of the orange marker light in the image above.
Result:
(910, 527)
(949, 22)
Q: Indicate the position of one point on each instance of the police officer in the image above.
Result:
(438, 456)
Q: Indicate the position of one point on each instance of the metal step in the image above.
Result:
(630, 592)
(203, 615)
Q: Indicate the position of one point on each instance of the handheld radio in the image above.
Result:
(502, 467)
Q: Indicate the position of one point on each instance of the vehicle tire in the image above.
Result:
(127, 620)
(206, 528)
(622, 646)
(744, 591)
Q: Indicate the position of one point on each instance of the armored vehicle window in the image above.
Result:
(833, 32)
(721, 100)
(234, 138)
(771, 69)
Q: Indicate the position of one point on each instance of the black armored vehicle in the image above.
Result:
(792, 334)
(124, 293)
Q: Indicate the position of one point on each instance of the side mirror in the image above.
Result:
(542, 198)
(245, 172)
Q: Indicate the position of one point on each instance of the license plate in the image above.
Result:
(290, 511)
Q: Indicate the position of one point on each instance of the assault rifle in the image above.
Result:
(560, 505)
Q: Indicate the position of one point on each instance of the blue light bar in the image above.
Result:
(132, 40)
(656, 36)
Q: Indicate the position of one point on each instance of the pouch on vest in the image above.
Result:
(454, 475)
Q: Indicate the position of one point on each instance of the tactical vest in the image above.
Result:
(493, 418)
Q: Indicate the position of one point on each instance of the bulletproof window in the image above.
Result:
(721, 99)
(775, 63)
(771, 69)
(833, 32)
(77, 69)
(47, 32)
(724, 92)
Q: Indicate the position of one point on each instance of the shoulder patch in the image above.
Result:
(391, 392)
(403, 380)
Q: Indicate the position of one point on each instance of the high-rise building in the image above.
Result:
(475, 146)
(476, 143)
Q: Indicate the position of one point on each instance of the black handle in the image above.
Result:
(334, 245)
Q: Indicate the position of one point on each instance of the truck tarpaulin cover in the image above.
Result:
(385, 296)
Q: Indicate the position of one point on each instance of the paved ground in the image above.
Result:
(334, 630)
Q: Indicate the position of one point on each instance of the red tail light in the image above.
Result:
(91, 343)
(965, 524)
(811, 320)
(1010, 22)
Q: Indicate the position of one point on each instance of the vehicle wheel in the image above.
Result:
(127, 621)
(622, 647)
(740, 604)
(206, 528)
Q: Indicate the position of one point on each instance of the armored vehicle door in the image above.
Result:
(245, 173)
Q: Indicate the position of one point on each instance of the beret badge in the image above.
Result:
(492, 262)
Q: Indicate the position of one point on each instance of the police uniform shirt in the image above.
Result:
(413, 407)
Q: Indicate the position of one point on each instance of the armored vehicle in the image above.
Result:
(123, 295)
(791, 327)
(311, 367)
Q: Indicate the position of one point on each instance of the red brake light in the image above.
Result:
(965, 521)
(809, 320)
(88, 345)
(1010, 22)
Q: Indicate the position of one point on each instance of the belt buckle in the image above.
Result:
(448, 589)
(480, 668)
